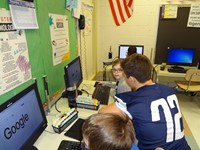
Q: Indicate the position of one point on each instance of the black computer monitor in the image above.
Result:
(124, 48)
(180, 56)
(22, 120)
(73, 73)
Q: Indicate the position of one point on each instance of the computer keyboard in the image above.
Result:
(69, 145)
(101, 93)
(177, 70)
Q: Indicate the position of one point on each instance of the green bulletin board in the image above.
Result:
(40, 50)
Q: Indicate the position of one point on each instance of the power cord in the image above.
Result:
(85, 92)
(56, 103)
(49, 132)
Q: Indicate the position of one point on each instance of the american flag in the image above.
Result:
(121, 10)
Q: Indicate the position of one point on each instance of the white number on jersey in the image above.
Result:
(173, 124)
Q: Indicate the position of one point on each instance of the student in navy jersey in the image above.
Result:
(153, 108)
(108, 131)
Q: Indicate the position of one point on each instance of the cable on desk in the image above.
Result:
(56, 103)
(85, 92)
(88, 86)
(50, 132)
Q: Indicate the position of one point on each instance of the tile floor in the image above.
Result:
(190, 107)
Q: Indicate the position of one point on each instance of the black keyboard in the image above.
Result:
(101, 93)
(177, 70)
(69, 145)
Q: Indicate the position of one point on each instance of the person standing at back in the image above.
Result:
(153, 108)
(131, 50)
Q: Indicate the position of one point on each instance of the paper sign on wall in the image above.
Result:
(59, 38)
(14, 60)
(194, 16)
(169, 11)
(23, 14)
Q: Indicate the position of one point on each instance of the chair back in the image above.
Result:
(193, 75)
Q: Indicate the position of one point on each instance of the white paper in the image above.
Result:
(14, 60)
(194, 16)
(23, 14)
(59, 38)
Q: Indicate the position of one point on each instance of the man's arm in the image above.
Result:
(111, 108)
(118, 107)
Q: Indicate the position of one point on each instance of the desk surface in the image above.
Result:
(166, 73)
(166, 76)
(51, 140)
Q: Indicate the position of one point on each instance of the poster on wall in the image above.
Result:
(59, 38)
(169, 11)
(194, 16)
(87, 12)
(76, 12)
(14, 60)
(70, 4)
(23, 14)
(75, 7)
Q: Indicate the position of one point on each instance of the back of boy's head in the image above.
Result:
(138, 66)
(109, 132)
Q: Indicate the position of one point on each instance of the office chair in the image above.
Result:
(154, 77)
(192, 81)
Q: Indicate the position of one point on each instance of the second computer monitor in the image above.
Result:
(73, 73)
(124, 48)
(181, 56)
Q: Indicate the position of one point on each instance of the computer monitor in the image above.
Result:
(73, 73)
(124, 48)
(180, 56)
(22, 120)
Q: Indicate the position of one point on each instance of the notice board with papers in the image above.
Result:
(175, 33)
(40, 48)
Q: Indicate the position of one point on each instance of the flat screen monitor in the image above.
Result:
(73, 73)
(22, 120)
(180, 56)
(123, 49)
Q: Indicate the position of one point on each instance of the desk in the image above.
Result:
(163, 76)
(51, 140)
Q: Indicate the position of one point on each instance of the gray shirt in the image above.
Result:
(120, 88)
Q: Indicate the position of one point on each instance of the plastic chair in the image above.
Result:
(192, 81)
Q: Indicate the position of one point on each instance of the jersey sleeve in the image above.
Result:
(122, 106)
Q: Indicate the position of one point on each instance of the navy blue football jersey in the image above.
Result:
(156, 117)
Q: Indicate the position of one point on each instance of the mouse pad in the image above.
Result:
(75, 131)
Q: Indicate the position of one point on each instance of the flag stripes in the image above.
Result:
(121, 10)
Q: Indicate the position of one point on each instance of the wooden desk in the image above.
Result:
(51, 140)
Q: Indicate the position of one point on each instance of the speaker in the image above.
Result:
(199, 64)
(110, 55)
(81, 22)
